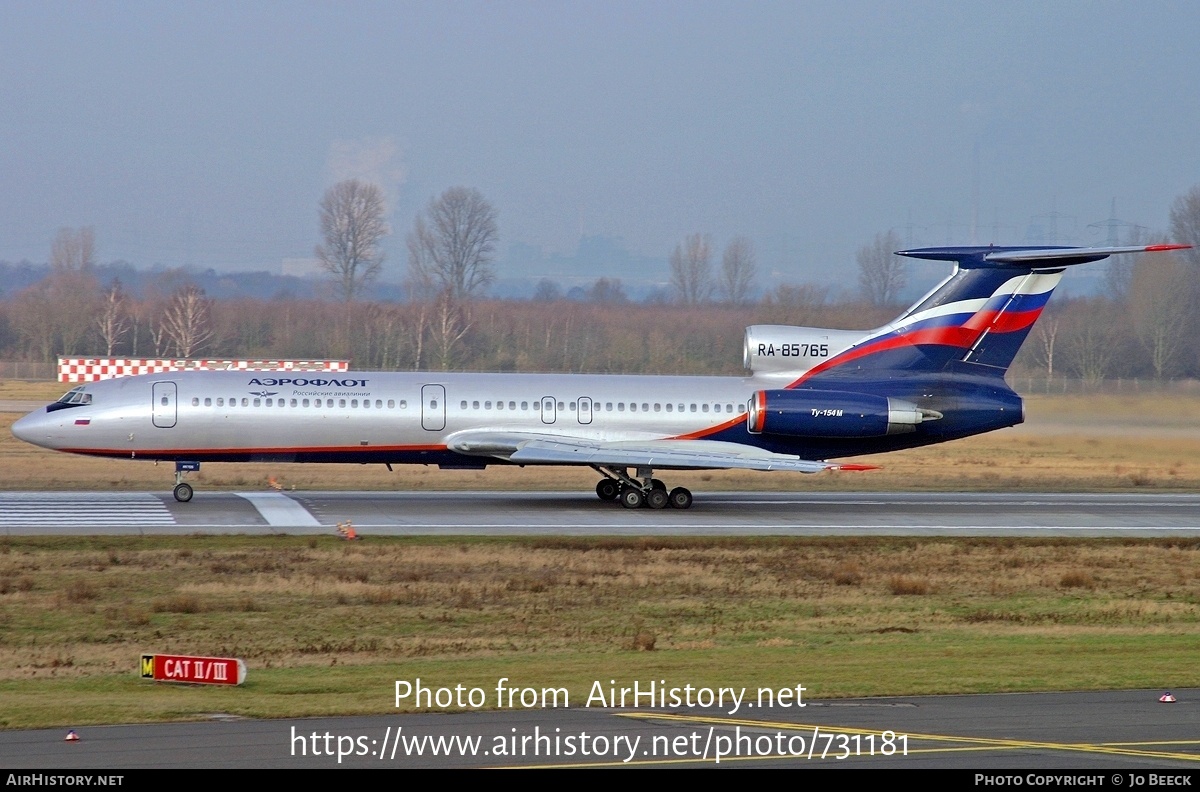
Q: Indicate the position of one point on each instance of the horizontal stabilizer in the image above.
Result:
(1028, 257)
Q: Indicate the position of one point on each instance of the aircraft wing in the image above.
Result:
(663, 454)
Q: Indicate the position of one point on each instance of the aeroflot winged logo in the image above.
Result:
(319, 382)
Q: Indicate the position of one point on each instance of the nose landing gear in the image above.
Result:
(633, 493)
(183, 492)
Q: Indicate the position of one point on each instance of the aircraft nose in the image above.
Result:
(32, 428)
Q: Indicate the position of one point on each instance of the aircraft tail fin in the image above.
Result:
(980, 315)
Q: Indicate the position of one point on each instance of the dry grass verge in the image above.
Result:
(84, 609)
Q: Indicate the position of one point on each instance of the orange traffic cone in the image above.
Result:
(72, 736)
(1167, 698)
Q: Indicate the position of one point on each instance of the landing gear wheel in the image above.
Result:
(632, 498)
(658, 485)
(657, 498)
(680, 498)
(183, 492)
(607, 489)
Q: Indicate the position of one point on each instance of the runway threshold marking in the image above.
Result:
(80, 509)
(278, 509)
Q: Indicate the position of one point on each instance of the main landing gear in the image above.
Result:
(645, 490)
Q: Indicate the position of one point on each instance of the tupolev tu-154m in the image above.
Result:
(934, 373)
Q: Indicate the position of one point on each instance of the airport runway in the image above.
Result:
(552, 513)
(1043, 732)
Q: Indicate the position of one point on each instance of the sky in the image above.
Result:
(204, 133)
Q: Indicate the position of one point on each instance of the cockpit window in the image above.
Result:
(72, 398)
(76, 396)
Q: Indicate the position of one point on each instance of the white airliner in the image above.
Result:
(935, 373)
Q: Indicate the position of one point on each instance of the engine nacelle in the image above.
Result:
(816, 413)
(783, 348)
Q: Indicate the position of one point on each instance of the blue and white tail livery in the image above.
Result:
(811, 395)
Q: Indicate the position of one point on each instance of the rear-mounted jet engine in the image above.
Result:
(811, 413)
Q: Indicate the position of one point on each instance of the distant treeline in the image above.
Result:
(1142, 330)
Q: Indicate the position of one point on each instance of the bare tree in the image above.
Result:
(795, 303)
(1159, 304)
(450, 321)
(73, 250)
(451, 246)
(352, 223)
(881, 273)
(1185, 225)
(607, 291)
(1090, 339)
(547, 291)
(187, 322)
(738, 268)
(691, 270)
(113, 320)
(1047, 335)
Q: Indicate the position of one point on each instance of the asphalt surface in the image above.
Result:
(1108, 731)
(547, 513)
(1122, 731)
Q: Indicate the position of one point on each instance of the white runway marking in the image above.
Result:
(82, 508)
(278, 509)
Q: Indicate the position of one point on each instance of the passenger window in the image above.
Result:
(195, 402)
(621, 406)
(271, 402)
(487, 405)
(475, 405)
(379, 404)
(608, 406)
(220, 401)
(404, 404)
(633, 407)
(524, 405)
(670, 407)
(704, 408)
(391, 404)
(645, 407)
(433, 404)
(693, 408)
(304, 403)
(353, 403)
(657, 407)
(728, 408)
(562, 406)
(207, 401)
(258, 402)
(165, 401)
(462, 406)
(294, 403)
(499, 405)
(245, 402)
(512, 405)
(341, 402)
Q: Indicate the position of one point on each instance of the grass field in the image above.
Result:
(326, 627)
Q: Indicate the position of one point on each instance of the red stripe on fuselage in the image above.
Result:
(183, 452)
(962, 337)
(702, 433)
